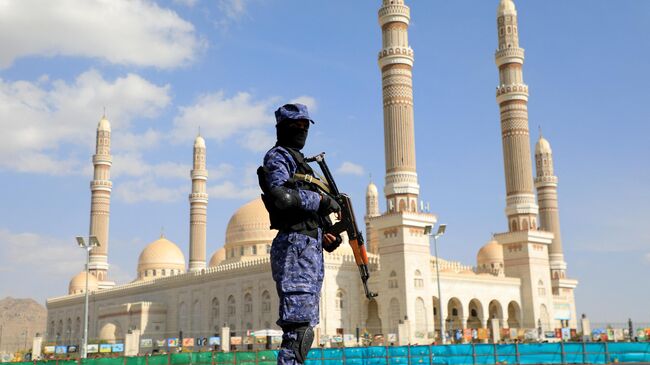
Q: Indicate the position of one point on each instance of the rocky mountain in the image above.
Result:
(20, 320)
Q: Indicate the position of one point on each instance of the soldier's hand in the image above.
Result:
(328, 205)
(331, 242)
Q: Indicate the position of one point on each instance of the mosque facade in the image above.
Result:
(518, 281)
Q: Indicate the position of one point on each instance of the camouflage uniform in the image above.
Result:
(296, 259)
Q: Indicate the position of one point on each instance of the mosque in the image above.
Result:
(518, 281)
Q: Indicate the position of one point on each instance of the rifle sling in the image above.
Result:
(312, 180)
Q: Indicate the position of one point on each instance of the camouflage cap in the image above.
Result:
(293, 111)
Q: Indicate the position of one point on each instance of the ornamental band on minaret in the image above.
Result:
(549, 216)
(198, 207)
(396, 63)
(512, 97)
(100, 188)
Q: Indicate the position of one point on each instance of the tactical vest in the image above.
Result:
(295, 219)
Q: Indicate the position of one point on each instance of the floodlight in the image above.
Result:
(80, 241)
(441, 230)
(94, 242)
(427, 230)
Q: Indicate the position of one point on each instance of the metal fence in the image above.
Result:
(467, 354)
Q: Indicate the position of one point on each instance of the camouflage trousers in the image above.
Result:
(297, 268)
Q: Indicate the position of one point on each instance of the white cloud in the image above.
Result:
(257, 140)
(312, 106)
(232, 9)
(230, 190)
(188, 3)
(349, 168)
(38, 118)
(147, 189)
(137, 32)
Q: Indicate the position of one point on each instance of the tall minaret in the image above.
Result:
(549, 220)
(198, 207)
(512, 96)
(396, 63)
(100, 204)
(525, 248)
(372, 210)
(549, 216)
(400, 232)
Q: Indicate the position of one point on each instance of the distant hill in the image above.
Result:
(20, 320)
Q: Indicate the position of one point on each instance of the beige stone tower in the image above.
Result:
(525, 249)
(404, 248)
(549, 220)
(372, 210)
(198, 207)
(396, 63)
(100, 204)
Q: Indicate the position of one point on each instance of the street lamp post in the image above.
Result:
(92, 243)
(428, 230)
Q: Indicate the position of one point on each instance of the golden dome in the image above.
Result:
(506, 7)
(249, 226)
(491, 252)
(78, 283)
(217, 257)
(160, 258)
(542, 146)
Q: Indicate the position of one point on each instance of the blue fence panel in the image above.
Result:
(398, 351)
(354, 361)
(376, 351)
(398, 361)
(629, 351)
(420, 359)
(355, 352)
(376, 361)
(420, 351)
(315, 354)
(333, 354)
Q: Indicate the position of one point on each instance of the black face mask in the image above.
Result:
(291, 137)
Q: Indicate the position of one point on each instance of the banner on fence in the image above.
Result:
(72, 349)
(235, 340)
(214, 341)
(117, 347)
(161, 343)
(48, 349)
(105, 348)
(61, 350)
(92, 348)
(146, 342)
(188, 342)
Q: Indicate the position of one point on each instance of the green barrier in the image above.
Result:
(224, 358)
(158, 360)
(136, 360)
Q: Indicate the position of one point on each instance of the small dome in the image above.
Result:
(542, 146)
(249, 226)
(104, 125)
(491, 252)
(160, 258)
(217, 257)
(506, 7)
(199, 142)
(78, 283)
(372, 190)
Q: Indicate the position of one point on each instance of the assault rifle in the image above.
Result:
(348, 222)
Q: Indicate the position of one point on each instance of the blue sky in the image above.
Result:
(161, 69)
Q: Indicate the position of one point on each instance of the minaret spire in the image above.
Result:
(100, 188)
(372, 210)
(396, 63)
(198, 206)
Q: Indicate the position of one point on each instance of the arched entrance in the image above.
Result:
(495, 311)
(454, 318)
(475, 314)
(514, 315)
(373, 322)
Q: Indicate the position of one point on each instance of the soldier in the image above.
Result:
(299, 212)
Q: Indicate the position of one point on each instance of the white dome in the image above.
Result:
(491, 252)
(506, 7)
(78, 283)
(372, 190)
(542, 146)
(160, 258)
(199, 142)
(104, 125)
(248, 229)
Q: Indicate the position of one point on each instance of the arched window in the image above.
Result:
(232, 309)
(392, 281)
(393, 315)
(241, 251)
(164, 272)
(418, 281)
(215, 313)
(266, 302)
(196, 316)
(268, 250)
(50, 330)
(248, 303)
(541, 290)
(254, 248)
(340, 300)
(77, 327)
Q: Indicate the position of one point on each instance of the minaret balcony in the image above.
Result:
(509, 55)
(198, 198)
(105, 185)
(544, 181)
(199, 174)
(394, 13)
(392, 56)
(102, 160)
(512, 92)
